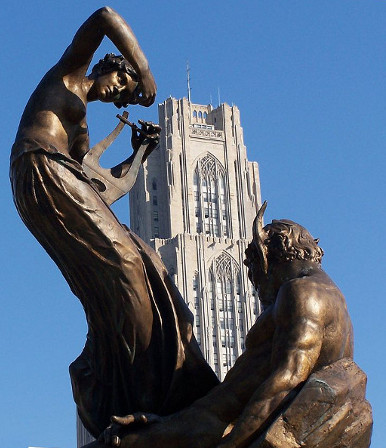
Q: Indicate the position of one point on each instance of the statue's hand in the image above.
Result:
(147, 89)
(119, 426)
(151, 129)
(149, 132)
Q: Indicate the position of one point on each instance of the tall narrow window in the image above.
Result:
(224, 279)
(210, 199)
(197, 313)
(197, 202)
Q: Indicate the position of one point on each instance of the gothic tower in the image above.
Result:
(194, 201)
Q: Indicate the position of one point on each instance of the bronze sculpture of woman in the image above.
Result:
(140, 352)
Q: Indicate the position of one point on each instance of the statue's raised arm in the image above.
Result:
(55, 116)
(107, 22)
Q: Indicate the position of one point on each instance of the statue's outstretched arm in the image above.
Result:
(296, 348)
(106, 22)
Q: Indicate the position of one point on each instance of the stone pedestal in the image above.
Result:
(330, 411)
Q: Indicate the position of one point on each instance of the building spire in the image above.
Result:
(188, 79)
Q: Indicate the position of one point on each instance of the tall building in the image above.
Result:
(194, 201)
(82, 435)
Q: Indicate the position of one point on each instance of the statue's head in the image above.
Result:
(282, 241)
(112, 63)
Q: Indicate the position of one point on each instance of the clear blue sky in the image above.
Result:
(309, 80)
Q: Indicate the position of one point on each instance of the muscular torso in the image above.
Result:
(56, 114)
(263, 346)
(326, 307)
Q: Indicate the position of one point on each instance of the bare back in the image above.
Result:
(56, 114)
(314, 303)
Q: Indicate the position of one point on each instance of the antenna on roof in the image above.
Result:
(188, 79)
(218, 93)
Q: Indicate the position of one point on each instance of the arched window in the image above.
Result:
(205, 115)
(227, 323)
(200, 115)
(194, 114)
(210, 199)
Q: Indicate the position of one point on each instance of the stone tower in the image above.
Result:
(194, 201)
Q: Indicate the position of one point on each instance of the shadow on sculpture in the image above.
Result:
(295, 384)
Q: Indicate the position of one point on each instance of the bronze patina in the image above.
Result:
(295, 385)
(304, 328)
(140, 353)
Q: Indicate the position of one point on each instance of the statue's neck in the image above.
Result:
(281, 273)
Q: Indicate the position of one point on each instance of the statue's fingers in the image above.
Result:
(115, 441)
(150, 127)
(140, 417)
(145, 124)
(126, 420)
(153, 127)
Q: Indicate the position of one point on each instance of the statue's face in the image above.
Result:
(255, 272)
(115, 86)
(258, 276)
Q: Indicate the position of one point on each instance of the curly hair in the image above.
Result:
(287, 240)
(111, 63)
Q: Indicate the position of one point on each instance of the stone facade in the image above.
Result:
(194, 201)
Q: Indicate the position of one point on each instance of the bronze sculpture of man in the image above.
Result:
(140, 352)
(304, 327)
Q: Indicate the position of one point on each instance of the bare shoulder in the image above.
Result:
(306, 297)
(311, 309)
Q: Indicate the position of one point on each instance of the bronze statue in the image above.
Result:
(305, 326)
(141, 363)
(140, 352)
